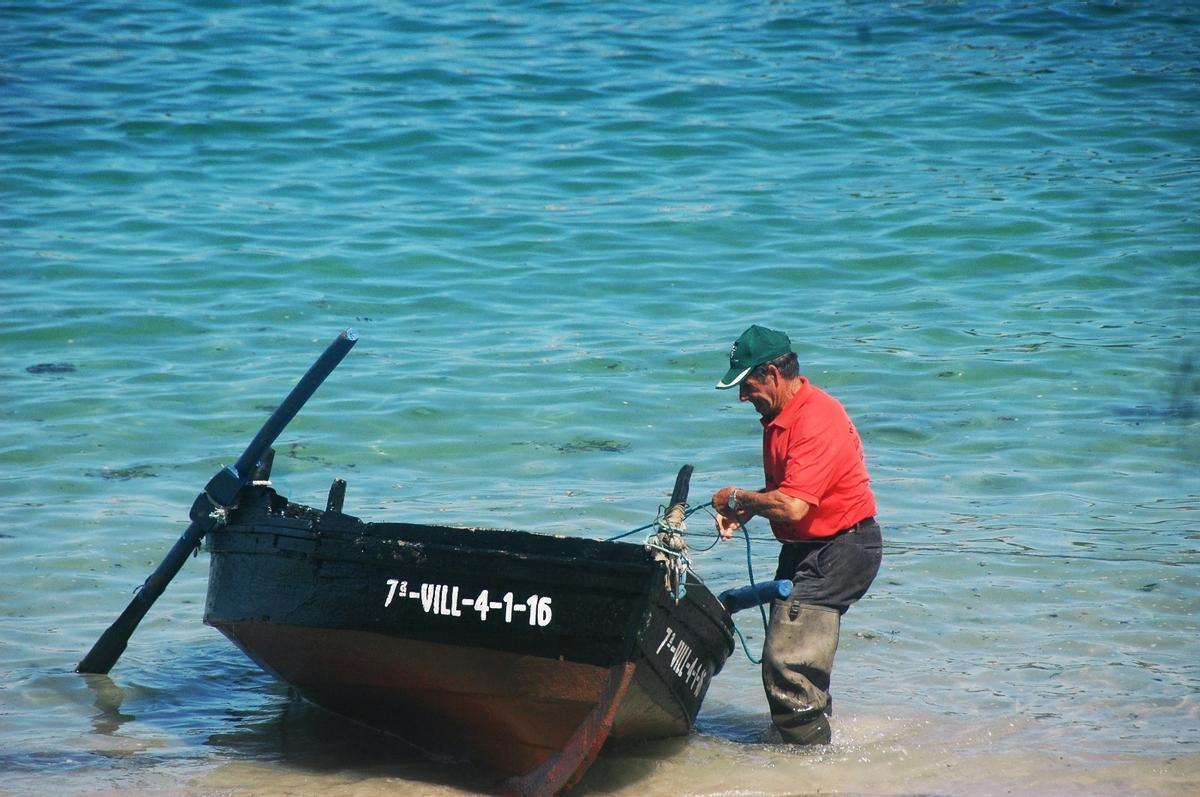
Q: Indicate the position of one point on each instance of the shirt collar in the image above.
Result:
(793, 407)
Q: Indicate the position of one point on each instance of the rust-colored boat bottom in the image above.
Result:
(540, 722)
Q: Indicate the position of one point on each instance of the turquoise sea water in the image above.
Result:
(548, 221)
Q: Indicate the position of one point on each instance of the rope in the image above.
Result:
(680, 573)
(750, 572)
(688, 564)
(667, 551)
(745, 647)
(657, 520)
(631, 532)
(761, 607)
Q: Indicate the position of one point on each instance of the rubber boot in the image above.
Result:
(802, 639)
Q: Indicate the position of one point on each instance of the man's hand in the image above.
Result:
(720, 501)
(726, 526)
(727, 519)
(769, 504)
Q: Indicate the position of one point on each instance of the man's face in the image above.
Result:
(763, 393)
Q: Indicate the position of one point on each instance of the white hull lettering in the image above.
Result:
(683, 661)
(446, 600)
(395, 586)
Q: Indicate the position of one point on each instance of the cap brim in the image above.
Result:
(733, 378)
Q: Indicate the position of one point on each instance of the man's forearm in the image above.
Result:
(771, 504)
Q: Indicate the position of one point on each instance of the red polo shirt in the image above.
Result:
(812, 451)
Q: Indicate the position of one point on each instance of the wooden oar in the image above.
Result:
(220, 492)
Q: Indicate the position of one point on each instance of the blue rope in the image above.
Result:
(631, 532)
(745, 647)
(761, 607)
(749, 570)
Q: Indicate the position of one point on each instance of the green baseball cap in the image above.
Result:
(756, 346)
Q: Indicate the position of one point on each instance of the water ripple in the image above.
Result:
(549, 222)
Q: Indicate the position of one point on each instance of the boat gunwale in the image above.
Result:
(274, 514)
(225, 546)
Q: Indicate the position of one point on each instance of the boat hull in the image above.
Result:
(523, 652)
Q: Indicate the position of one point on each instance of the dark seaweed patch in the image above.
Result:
(51, 368)
(297, 451)
(123, 474)
(585, 444)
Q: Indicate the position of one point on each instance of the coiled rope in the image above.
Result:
(649, 542)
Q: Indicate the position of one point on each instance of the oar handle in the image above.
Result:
(291, 405)
(224, 485)
(221, 491)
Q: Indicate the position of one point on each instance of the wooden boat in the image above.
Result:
(527, 652)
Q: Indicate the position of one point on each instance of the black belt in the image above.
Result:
(867, 521)
(864, 522)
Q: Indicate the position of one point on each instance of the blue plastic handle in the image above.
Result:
(738, 598)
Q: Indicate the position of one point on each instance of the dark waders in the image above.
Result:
(802, 637)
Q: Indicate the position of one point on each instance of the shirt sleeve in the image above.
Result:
(811, 460)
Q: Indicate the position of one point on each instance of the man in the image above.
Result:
(819, 502)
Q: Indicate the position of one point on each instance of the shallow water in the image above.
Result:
(548, 222)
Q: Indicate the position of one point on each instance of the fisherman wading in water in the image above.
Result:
(818, 499)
